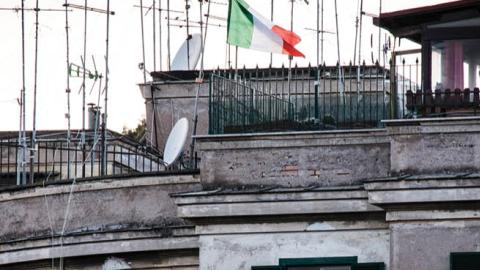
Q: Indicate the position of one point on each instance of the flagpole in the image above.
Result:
(290, 58)
(271, 18)
(236, 62)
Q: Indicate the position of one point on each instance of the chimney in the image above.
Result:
(94, 119)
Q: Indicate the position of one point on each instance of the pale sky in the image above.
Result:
(126, 106)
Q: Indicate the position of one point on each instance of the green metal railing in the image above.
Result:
(265, 100)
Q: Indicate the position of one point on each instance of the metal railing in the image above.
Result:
(53, 160)
(300, 99)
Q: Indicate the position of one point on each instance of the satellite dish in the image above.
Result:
(175, 142)
(180, 62)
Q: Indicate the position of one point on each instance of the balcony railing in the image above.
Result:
(53, 159)
(301, 99)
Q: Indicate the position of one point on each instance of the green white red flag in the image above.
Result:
(248, 29)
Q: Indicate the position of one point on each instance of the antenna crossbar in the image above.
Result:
(34, 9)
(98, 10)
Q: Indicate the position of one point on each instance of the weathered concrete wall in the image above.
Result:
(245, 250)
(174, 260)
(437, 145)
(172, 102)
(95, 206)
(427, 245)
(294, 159)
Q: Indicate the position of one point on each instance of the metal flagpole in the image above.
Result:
(271, 18)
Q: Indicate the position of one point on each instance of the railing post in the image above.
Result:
(393, 86)
(317, 85)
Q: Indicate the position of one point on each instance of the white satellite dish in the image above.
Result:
(181, 60)
(175, 142)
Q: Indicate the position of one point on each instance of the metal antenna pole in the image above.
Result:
(34, 124)
(160, 32)
(359, 84)
(84, 87)
(321, 39)
(23, 103)
(379, 33)
(107, 71)
(154, 20)
(187, 7)
(199, 80)
(69, 135)
(318, 33)
(340, 84)
(360, 36)
(143, 44)
(356, 34)
(168, 36)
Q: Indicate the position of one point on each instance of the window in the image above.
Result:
(465, 261)
(327, 263)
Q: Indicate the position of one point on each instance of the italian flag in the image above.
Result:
(248, 29)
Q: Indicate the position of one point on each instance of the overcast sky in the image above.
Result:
(126, 106)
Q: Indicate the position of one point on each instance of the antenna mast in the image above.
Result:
(154, 36)
(187, 7)
(160, 32)
(22, 134)
(105, 117)
(69, 135)
(321, 39)
(168, 36)
(340, 80)
(34, 124)
(84, 87)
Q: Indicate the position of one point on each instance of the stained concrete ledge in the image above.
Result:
(291, 159)
(315, 202)
(97, 244)
(94, 207)
(434, 145)
(424, 190)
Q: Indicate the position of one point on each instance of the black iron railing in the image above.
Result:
(300, 99)
(55, 160)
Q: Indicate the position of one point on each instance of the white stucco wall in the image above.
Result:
(242, 251)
